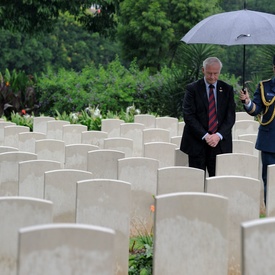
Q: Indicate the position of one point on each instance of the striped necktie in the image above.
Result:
(212, 123)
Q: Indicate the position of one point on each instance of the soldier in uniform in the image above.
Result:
(263, 105)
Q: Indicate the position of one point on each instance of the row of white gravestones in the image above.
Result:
(32, 244)
(104, 164)
(127, 167)
(132, 138)
(245, 165)
(243, 195)
(165, 129)
(112, 126)
(75, 155)
(72, 156)
(75, 198)
(246, 129)
(59, 129)
(269, 208)
(192, 236)
(58, 186)
(56, 129)
(9, 171)
(146, 143)
(47, 126)
(142, 173)
(184, 228)
(96, 161)
(197, 213)
(244, 200)
(147, 135)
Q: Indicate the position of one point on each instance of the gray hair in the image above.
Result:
(210, 61)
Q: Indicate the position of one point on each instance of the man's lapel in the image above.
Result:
(220, 96)
(203, 93)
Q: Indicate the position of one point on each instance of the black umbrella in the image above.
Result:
(242, 27)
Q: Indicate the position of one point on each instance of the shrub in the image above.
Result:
(115, 88)
(61, 91)
(112, 89)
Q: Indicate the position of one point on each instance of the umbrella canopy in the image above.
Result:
(242, 27)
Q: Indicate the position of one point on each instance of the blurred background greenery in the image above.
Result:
(117, 53)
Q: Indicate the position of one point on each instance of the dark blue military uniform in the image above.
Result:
(264, 104)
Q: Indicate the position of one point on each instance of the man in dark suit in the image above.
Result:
(263, 104)
(201, 141)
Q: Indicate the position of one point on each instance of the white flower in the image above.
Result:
(74, 116)
(130, 109)
(97, 112)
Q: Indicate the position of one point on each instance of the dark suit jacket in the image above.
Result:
(195, 114)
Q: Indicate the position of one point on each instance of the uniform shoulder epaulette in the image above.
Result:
(267, 104)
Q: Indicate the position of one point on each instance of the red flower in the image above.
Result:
(23, 112)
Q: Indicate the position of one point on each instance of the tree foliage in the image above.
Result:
(47, 36)
(103, 20)
(113, 89)
(145, 31)
(38, 16)
(151, 30)
(68, 46)
(257, 5)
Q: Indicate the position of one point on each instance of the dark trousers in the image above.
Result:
(267, 159)
(206, 160)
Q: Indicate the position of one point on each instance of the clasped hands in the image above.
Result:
(212, 139)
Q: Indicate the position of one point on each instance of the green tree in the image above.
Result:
(68, 46)
(73, 47)
(151, 30)
(186, 14)
(231, 5)
(22, 52)
(257, 5)
(145, 31)
(32, 16)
